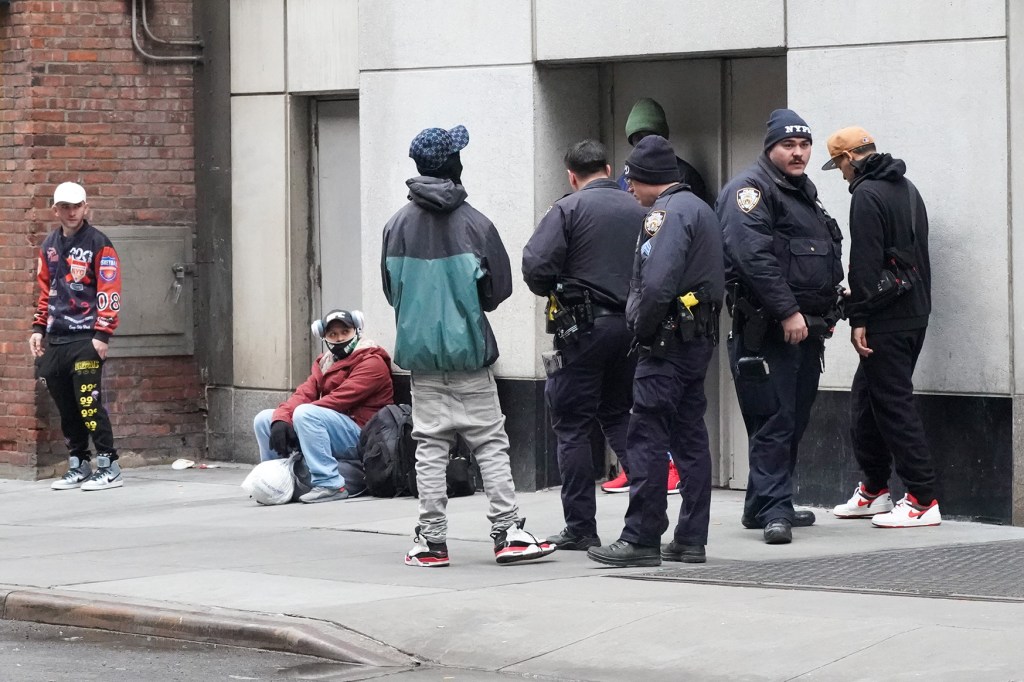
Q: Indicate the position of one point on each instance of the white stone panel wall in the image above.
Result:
(942, 107)
(259, 245)
(857, 22)
(406, 34)
(323, 45)
(567, 110)
(1016, 103)
(257, 46)
(496, 106)
(599, 29)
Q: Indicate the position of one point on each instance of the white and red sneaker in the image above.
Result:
(673, 478)
(515, 544)
(619, 484)
(909, 513)
(864, 505)
(426, 553)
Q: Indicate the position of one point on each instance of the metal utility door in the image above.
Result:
(336, 206)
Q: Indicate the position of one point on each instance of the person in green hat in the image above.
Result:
(647, 117)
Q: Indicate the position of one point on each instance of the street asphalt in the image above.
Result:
(186, 554)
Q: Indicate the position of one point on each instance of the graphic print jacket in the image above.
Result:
(79, 280)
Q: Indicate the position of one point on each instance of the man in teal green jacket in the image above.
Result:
(443, 266)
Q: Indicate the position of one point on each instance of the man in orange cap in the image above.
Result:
(890, 299)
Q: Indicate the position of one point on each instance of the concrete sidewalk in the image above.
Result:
(189, 548)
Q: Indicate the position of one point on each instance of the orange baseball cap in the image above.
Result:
(846, 140)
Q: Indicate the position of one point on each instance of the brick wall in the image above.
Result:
(77, 103)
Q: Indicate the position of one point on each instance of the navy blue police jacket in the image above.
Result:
(586, 241)
(779, 241)
(679, 251)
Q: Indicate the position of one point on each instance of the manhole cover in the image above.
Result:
(988, 571)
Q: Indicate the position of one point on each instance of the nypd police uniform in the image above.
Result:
(784, 251)
(585, 243)
(680, 251)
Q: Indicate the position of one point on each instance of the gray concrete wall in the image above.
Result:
(1015, 96)
(610, 29)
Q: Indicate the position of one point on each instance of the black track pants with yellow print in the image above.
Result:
(73, 373)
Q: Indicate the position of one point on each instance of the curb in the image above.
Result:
(212, 626)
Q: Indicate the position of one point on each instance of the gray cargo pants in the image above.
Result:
(466, 403)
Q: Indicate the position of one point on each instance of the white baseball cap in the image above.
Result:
(68, 193)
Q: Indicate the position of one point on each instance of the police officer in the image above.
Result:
(783, 253)
(672, 310)
(582, 255)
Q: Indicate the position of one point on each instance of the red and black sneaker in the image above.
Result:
(515, 544)
(426, 553)
(619, 484)
(673, 478)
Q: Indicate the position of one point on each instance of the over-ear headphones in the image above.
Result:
(352, 318)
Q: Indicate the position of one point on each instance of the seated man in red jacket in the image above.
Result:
(323, 418)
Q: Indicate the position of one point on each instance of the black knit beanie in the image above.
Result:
(652, 162)
(785, 123)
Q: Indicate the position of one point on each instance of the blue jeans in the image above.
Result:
(326, 437)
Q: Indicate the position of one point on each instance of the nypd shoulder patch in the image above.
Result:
(748, 198)
(653, 222)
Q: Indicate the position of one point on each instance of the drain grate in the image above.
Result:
(988, 571)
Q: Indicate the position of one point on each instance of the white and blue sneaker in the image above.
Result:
(107, 475)
(78, 471)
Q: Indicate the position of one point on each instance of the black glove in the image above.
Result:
(283, 438)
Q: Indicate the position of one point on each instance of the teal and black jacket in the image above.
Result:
(443, 266)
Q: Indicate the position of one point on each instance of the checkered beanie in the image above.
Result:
(432, 147)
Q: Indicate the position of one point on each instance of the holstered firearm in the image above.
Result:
(566, 322)
(691, 317)
(750, 322)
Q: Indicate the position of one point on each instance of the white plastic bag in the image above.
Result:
(271, 482)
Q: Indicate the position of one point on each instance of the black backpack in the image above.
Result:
(388, 451)
(463, 473)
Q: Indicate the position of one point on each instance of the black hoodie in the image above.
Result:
(880, 218)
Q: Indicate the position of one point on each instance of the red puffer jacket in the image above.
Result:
(356, 386)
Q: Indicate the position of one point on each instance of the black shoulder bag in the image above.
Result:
(899, 274)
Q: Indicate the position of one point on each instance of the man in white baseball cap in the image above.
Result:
(79, 283)
(69, 193)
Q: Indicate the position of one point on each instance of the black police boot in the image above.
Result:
(624, 554)
(567, 540)
(778, 532)
(688, 554)
(803, 518)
